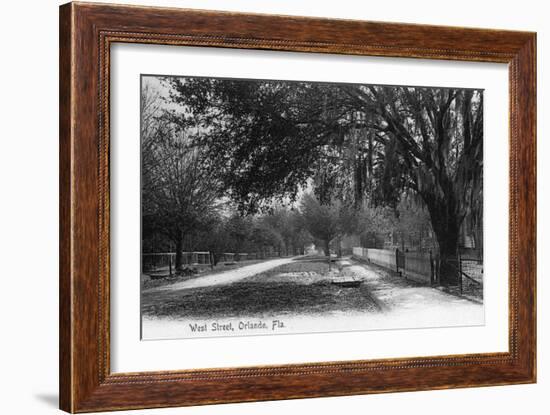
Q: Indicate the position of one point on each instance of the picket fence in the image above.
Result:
(417, 266)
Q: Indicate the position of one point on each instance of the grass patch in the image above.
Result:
(301, 287)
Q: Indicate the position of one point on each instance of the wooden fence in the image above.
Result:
(417, 266)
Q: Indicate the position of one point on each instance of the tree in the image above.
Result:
(358, 143)
(264, 236)
(214, 239)
(323, 221)
(299, 237)
(153, 130)
(436, 138)
(409, 221)
(238, 229)
(265, 138)
(179, 197)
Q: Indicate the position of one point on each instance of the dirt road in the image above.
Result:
(224, 277)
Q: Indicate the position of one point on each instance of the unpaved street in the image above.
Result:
(300, 292)
(224, 277)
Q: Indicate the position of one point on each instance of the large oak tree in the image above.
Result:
(357, 143)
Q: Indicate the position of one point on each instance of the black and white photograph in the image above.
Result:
(282, 207)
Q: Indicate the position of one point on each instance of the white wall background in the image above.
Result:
(29, 207)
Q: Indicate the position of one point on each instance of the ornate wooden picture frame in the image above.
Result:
(87, 32)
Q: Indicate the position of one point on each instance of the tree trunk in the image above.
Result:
(478, 238)
(448, 260)
(326, 248)
(179, 256)
(446, 227)
(327, 251)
